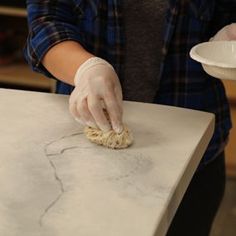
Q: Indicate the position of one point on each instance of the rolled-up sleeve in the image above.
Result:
(50, 22)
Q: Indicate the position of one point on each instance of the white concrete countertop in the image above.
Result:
(54, 182)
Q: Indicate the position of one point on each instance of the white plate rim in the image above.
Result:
(194, 55)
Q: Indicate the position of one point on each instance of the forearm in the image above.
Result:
(63, 60)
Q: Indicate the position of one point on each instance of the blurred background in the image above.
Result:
(14, 73)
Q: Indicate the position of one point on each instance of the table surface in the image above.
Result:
(54, 182)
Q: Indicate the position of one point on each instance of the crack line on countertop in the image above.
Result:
(57, 178)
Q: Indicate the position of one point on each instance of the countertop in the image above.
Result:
(54, 182)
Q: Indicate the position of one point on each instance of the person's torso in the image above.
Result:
(143, 27)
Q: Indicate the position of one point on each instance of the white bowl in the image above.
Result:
(218, 58)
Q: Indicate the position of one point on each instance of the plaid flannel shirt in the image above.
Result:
(97, 25)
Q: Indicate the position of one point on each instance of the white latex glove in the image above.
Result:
(97, 87)
(227, 33)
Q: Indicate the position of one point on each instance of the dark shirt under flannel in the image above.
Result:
(97, 25)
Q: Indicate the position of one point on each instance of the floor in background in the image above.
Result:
(225, 222)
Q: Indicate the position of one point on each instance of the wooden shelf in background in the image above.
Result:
(21, 75)
(13, 11)
(230, 87)
(231, 146)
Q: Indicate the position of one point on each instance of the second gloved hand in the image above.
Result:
(227, 33)
(97, 87)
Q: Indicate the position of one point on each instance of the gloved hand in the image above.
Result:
(97, 87)
(227, 33)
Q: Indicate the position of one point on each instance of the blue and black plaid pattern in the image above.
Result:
(97, 25)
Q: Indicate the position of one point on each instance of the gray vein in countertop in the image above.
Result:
(56, 176)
